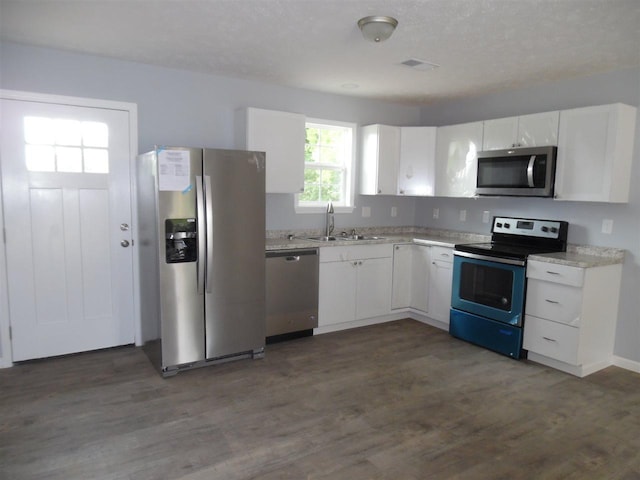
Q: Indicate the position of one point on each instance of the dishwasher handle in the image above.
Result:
(291, 255)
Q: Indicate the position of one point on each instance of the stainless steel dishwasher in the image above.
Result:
(292, 293)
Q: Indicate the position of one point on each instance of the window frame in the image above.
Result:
(350, 174)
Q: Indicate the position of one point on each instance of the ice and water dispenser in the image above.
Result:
(181, 240)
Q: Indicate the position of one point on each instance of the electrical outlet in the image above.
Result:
(463, 215)
(485, 216)
(607, 226)
(436, 213)
(366, 211)
(394, 211)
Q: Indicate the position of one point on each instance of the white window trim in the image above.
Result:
(352, 172)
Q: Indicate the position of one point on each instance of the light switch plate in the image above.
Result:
(607, 226)
(486, 215)
(436, 213)
(366, 211)
(463, 215)
(394, 211)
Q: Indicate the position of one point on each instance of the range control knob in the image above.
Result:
(499, 225)
(507, 225)
(545, 229)
(554, 230)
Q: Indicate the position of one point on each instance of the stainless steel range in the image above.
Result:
(489, 281)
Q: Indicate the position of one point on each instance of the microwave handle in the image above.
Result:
(532, 162)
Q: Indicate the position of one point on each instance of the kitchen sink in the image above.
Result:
(341, 238)
(322, 238)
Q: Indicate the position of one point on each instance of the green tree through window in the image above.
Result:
(328, 164)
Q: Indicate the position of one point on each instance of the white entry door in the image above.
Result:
(67, 211)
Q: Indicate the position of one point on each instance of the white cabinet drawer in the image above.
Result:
(355, 252)
(443, 254)
(554, 301)
(553, 272)
(551, 339)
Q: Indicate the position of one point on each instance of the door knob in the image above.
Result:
(124, 243)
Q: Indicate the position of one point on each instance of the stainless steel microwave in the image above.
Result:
(526, 172)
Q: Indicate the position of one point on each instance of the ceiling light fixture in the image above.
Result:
(377, 28)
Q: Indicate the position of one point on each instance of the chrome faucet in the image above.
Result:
(329, 221)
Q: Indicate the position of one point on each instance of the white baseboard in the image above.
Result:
(336, 327)
(396, 315)
(626, 364)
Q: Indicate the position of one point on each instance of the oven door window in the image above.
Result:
(490, 289)
(485, 285)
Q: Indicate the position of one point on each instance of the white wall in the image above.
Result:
(585, 218)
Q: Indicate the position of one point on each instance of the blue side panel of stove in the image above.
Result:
(497, 336)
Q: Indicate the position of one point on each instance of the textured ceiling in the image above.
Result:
(481, 45)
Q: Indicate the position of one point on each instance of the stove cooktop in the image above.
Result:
(517, 238)
(518, 252)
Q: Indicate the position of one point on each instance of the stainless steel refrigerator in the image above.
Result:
(201, 230)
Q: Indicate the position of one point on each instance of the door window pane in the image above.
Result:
(38, 131)
(40, 158)
(67, 132)
(96, 160)
(68, 159)
(61, 144)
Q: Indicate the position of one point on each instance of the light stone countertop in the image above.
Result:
(444, 238)
(584, 256)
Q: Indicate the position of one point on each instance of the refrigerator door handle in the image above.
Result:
(200, 226)
(209, 212)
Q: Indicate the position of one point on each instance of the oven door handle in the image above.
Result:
(487, 258)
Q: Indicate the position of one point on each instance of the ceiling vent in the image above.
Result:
(421, 65)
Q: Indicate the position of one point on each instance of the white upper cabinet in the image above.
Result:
(380, 158)
(416, 173)
(539, 129)
(457, 149)
(595, 153)
(281, 135)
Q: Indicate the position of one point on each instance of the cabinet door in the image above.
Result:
(456, 159)
(337, 295)
(416, 173)
(440, 290)
(380, 154)
(595, 147)
(373, 290)
(420, 278)
(537, 130)
(500, 133)
(401, 285)
(281, 135)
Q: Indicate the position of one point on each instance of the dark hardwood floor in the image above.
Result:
(400, 400)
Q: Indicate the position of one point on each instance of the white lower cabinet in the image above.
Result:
(355, 283)
(422, 277)
(402, 277)
(570, 316)
(441, 276)
(410, 277)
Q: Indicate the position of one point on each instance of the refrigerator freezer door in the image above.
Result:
(181, 307)
(235, 294)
